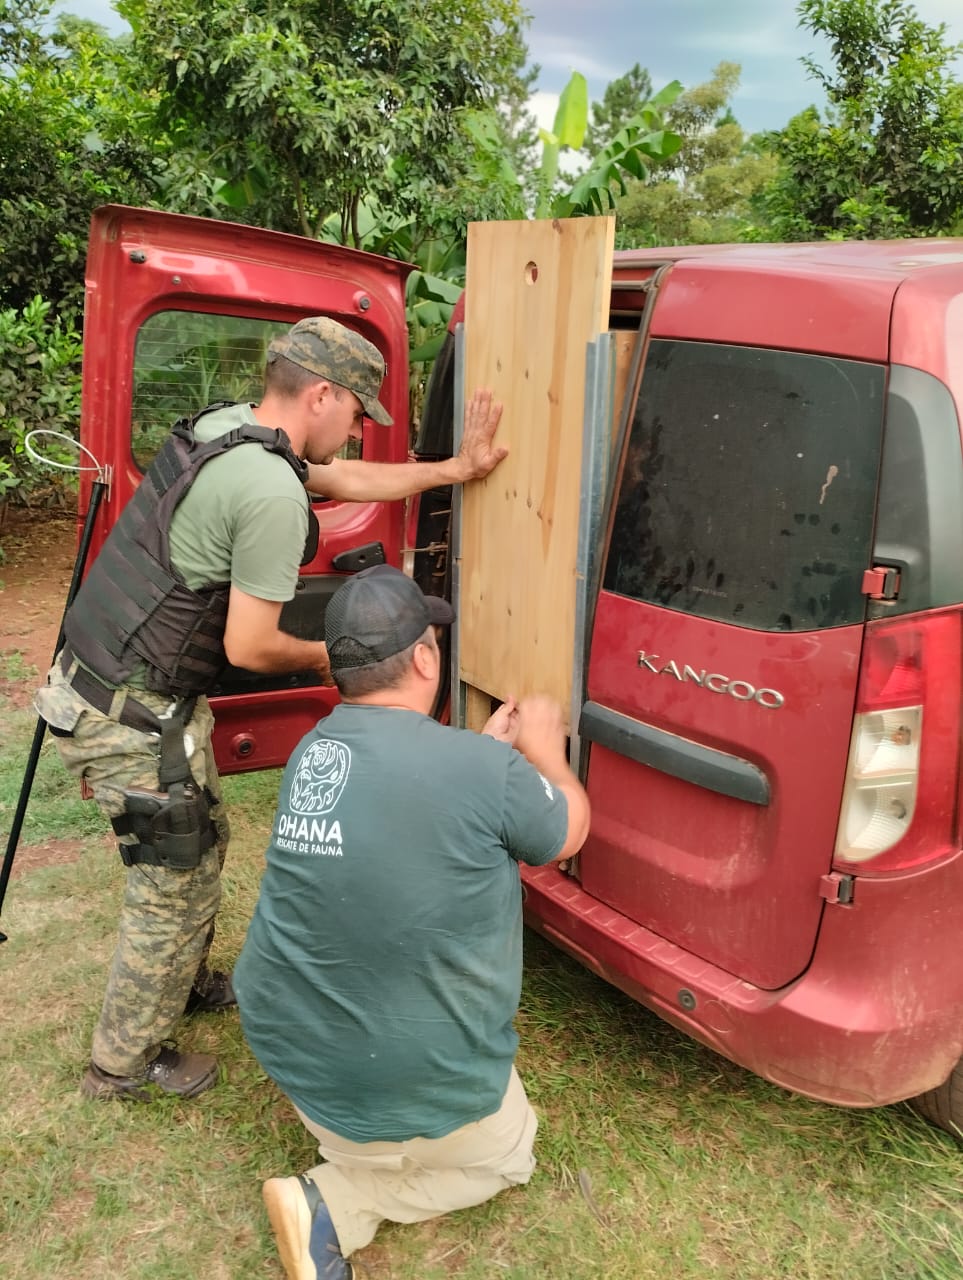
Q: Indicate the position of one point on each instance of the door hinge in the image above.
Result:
(881, 582)
(837, 888)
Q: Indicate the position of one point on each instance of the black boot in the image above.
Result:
(216, 995)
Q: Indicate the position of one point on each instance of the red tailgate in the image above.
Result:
(179, 313)
(733, 880)
(725, 650)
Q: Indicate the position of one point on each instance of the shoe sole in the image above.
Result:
(291, 1224)
(100, 1091)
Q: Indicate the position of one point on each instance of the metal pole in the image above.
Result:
(458, 713)
(596, 450)
(97, 492)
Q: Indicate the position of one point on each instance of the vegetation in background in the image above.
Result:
(704, 193)
(39, 388)
(292, 113)
(884, 161)
(621, 100)
(71, 138)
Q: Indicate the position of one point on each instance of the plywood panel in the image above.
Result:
(624, 341)
(537, 294)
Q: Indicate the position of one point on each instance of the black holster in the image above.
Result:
(172, 826)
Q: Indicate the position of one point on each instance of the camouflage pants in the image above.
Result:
(167, 917)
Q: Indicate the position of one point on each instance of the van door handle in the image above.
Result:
(359, 558)
(678, 757)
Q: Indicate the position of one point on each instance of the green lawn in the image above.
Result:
(656, 1157)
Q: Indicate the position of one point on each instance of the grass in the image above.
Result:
(656, 1157)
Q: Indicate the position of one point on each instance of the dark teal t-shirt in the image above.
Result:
(382, 968)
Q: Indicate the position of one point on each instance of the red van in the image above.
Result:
(771, 724)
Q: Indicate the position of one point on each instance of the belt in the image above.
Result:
(101, 696)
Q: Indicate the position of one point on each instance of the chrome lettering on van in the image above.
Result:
(714, 681)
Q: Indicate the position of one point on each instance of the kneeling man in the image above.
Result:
(382, 970)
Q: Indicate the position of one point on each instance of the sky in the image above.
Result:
(674, 39)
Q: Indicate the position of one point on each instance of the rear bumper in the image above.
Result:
(876, 1017)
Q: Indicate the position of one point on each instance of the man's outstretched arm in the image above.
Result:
(357, 481)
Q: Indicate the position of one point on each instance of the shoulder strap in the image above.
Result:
(273, 439)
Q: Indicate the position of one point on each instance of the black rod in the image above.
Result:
(97, 492)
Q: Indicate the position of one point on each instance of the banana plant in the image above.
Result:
(642, 139)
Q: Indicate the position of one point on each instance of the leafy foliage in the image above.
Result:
(704, 193)
(292, 112)
(622, 99)
(886, 159)
(39, 387)
(642, 141)
(66, 146)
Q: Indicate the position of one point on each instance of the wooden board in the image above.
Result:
(537, 293)
(623, 340)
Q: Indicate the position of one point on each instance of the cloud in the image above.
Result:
(543, 107)
(568, 54)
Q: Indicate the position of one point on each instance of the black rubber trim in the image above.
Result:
(678, 757)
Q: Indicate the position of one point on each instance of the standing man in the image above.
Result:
(382, 969)
(195, 573)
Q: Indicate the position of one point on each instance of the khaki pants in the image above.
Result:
(364, 1183)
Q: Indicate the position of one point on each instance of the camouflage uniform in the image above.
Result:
(236, 524)
(167, 920)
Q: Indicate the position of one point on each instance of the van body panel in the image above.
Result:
(870, 1022)
(153, 279)
(735, 883)
(927, 327)
(843, 312)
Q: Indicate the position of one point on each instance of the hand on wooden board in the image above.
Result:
(503, 723)
(540, 735)
(478, 454)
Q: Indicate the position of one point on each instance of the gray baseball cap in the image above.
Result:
(382, 611)
(332, 351)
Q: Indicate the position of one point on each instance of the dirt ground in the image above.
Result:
(35, 571)
(38, 559)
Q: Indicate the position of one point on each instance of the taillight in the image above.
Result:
(900, 801)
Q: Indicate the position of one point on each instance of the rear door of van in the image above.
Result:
(179, 314)
(727, 636)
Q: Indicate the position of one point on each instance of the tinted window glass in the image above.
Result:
(749, 486)
(186, 360)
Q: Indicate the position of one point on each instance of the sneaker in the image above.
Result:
(302, 1226)
(183, 1074)
(218, 995)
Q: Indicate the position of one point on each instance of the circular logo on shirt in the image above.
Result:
(320, 777)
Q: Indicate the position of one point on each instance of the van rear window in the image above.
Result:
(749, 486)
(186, 360)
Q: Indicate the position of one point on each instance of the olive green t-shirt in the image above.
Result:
(382, 969)
(244, 520)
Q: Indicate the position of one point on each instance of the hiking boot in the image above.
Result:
(302, 1226)
(217, 996)
(184, 1074)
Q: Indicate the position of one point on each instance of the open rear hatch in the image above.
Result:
(179, 314)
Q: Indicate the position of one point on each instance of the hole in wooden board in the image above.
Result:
(531, 272)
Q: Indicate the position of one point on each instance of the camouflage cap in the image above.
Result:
(329, 349)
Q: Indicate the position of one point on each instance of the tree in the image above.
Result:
(293, 112)
(66, 146)
(885, 161)
(704, 193)
(622, 99)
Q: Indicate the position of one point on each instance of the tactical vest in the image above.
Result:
(134, 608)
